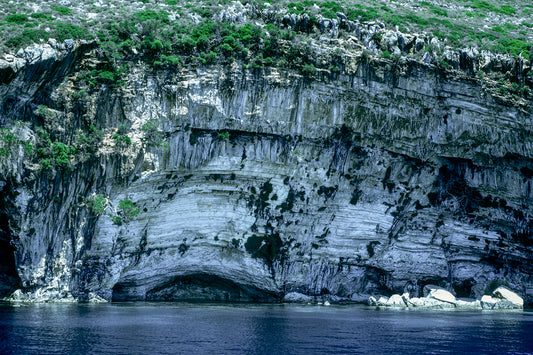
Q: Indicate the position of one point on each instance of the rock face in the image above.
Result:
(258, 183)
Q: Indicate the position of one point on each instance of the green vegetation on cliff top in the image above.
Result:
(171, 26)
(176, 34)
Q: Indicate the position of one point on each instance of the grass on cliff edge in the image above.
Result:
(171, 33)
(501, 26)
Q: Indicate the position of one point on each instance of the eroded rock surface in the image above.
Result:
(260, 183)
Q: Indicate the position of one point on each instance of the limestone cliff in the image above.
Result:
(248, 184)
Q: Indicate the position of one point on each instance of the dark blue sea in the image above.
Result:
(168, 328)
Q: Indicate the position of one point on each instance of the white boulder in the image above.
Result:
(296, 297)
(508, 295)
(396, 301)
(442, 295)
(382, 301)
(427, 302)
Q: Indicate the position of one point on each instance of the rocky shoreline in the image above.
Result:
(438, 298)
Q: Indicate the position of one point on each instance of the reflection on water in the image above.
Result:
(141, 328)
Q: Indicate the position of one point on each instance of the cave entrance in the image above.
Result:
(193, 288)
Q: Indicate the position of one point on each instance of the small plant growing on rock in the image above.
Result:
(89, 141)
(7, 140)
(124, 213)
(62, 153)
(309, 70)
(224, 136)
(45, 112)
(151, 134)
(97, 203)
(121, 139)
(296, 152)
(53, 153)
(127, 210)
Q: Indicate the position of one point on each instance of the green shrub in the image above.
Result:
(106, 76)
(507, 10)
(89, 141)
(296, 8)
(482, 5)
(416, 20)
(28, 147)
(45, 112)
(97, 203)
(128, 210)
(41, 16)
(151, 134)
(172, 60)
(386, 54)
(8, 139)
(62, 154)
(328, 13)
(65, 31)
(309, 70)
(116, 220)
(17, 19)
(63, 10)
(224, 136)
(211, 57)
(125, 212)
(512, 46)
(120, 138)
(28, 36)
(365, 13)
(156, 46)
(268, 62)
(52, 154)
(148, 15)
(499, 29)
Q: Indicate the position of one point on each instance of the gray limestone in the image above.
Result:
(271, 185)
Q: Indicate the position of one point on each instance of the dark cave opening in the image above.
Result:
(193, 288)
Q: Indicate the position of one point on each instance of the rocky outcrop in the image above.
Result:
(250, 185)
(439, 298)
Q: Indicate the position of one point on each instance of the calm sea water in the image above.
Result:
(140, 328)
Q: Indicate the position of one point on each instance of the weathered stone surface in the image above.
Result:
(361, 184)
